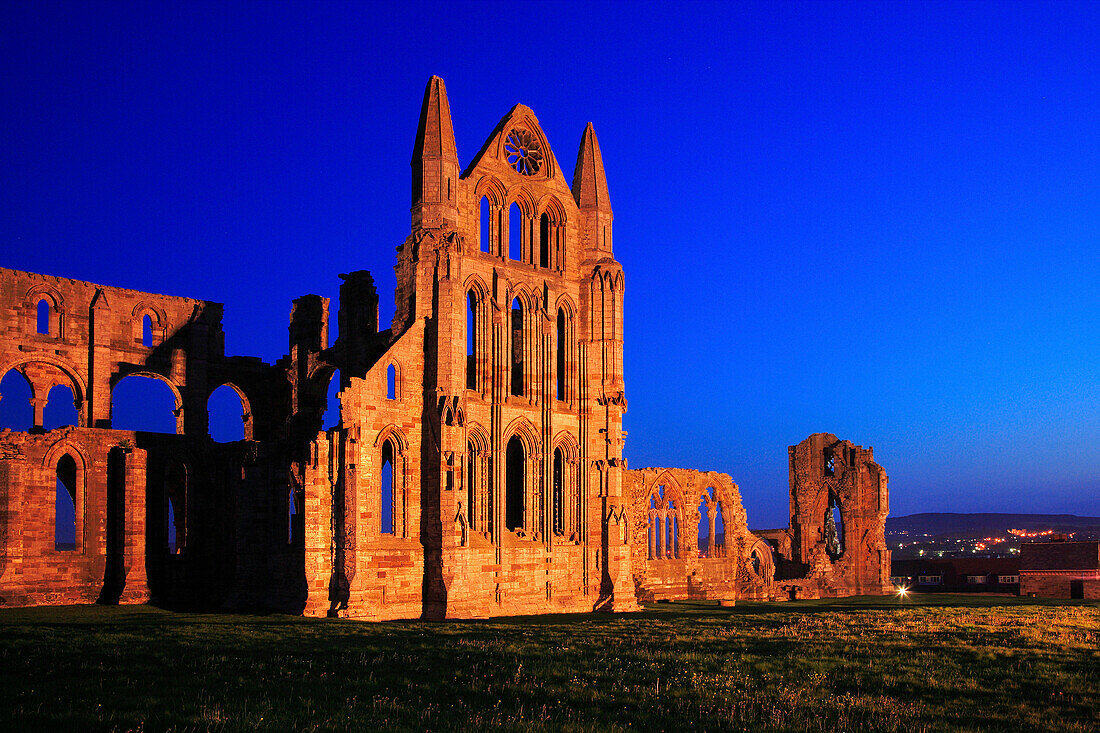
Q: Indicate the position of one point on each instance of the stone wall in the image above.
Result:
(476, 468)
(668, 510)
(835, 545)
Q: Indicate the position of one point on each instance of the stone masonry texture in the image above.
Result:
(477, 466)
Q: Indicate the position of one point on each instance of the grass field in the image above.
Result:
(871, 664)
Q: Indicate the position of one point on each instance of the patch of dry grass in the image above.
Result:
(939, 663)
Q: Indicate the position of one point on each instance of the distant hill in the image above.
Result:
(979, 524)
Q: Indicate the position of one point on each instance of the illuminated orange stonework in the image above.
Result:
(494, 400)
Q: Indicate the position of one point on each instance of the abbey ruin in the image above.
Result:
(476, 469)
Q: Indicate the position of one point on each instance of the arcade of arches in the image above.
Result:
(464, 460)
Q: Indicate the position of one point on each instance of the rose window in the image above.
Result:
(524, 152)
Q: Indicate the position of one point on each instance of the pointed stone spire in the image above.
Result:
(589, 180)
(435, 136)
(435, 161)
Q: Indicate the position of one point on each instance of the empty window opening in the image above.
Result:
(517, 348)
(471, 488)
(226, 415)
(471, 340)
(391, 382)
(559, 364)
(654, 532)
(830, 462)
(16, 411)
(755, 560)
(673, 527)
(559, 492)
(65, 508)
(515, 233)
(44, 317)
(704, 529)
(175, 508)
(60, 408)
(295, 528)
(146, 331)
(143, 403)
(834, 529)
(544, 241)
(171, 520)
(719, 531)
(331, 417)
(514, 484)
(486, 224)
(386, 483)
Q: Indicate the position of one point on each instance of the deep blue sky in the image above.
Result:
(880, 220)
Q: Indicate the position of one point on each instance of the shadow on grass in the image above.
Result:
(666, 611)
(674, 610)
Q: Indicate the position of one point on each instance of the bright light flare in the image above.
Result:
(903, 591)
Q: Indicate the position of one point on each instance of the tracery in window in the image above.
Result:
(524, 152)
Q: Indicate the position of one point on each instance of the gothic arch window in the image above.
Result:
(719, 530)
(60, 408)
(16, 393)
(544, 240)
(148, 325)
(295, 512)
(672, 527)
(472, 339)
(391, 382)
(66, 505)
(471, 486)
(665, 516)
(175, 508)
(566, 486)
(475, 496)
(515, 484)
(387, 488)
(712, 530)
(479, 498)
(45, 311)
(558, 500)
(518, 343)
(43, 317)
(330, 409)
(551, 235)
(148, 402)
(654, 530)
(564, 364)
(486, 224)
(229, 417)
(834, 528)
(43, 392)
(392, 490)
(515, 233)
(705, 535)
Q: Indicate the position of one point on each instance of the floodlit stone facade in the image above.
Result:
(476, 468)
(835, 545)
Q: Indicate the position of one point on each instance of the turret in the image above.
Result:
(358, 320)
(435, 161)
(590, 193)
